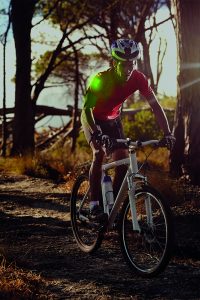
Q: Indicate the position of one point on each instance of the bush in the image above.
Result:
(18, 284)
(143, 125)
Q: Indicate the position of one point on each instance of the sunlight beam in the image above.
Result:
(190, 66)
(186, 85)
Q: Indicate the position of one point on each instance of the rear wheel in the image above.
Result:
(147, 252)
(85, 232)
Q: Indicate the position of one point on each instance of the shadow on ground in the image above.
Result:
(35, 233)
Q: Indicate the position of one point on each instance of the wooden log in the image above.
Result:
(46, 110)
(51, 138)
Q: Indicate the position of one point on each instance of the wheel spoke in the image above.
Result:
(146, 252)
(85, 232)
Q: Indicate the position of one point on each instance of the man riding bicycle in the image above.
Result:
(100, 116)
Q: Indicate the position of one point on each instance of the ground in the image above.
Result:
(35, 234)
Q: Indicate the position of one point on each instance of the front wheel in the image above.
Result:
(148, 251)
(86, 234)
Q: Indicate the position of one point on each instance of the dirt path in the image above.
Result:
(35, 233)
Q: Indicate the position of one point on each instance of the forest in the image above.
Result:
(85, 31)
(67, 63)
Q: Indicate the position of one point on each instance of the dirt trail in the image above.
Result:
(35, 233)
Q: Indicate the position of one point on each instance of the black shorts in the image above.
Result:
(112, 128)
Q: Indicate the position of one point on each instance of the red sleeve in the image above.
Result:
(144, 85)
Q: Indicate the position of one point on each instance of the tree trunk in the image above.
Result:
(177, 154)
(4, 125)
(23, 129)
(147, 64)
(113, 24)
(76, 122)
(188, 110)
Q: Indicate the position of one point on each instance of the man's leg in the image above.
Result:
(120, 171)
(97, 212)
(95, 168)
(95, 175)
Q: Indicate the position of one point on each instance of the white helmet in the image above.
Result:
(125, 50)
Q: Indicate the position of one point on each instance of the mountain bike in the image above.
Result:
(140, 214)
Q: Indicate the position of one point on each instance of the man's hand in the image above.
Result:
(102, 139)
(107, 142)
(96, 136)
(169, 140)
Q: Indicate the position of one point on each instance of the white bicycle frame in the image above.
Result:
(129, 183)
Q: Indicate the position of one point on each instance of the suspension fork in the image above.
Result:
(132, 187)
(131, 195)
(148, 207)
(148, 210)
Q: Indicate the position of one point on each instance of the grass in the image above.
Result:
(53, 163)
(36, 167)
(58, 161)
(17, 284)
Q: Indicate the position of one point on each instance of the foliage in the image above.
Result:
(144, 126)
(168, 102)
(165, 101)
(64, 62)
(35, 167)
(16, 283)
(64, 12)
(60, 158)
(82, 143)
(65, 67)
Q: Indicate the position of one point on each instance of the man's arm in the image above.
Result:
(87, 111)
(147, 92)
(88, 119)
(159, 113)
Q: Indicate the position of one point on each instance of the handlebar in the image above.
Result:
(127, 142)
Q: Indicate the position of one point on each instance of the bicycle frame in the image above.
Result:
(129, 183)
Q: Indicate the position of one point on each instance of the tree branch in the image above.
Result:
(158, 24)
(141, 25)
(47, 14)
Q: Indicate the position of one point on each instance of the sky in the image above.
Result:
(168, 81)
(58, 96)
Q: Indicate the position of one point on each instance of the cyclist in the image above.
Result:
(100, 116)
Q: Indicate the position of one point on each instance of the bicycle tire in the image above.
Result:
(147, 253)
(88, 237)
